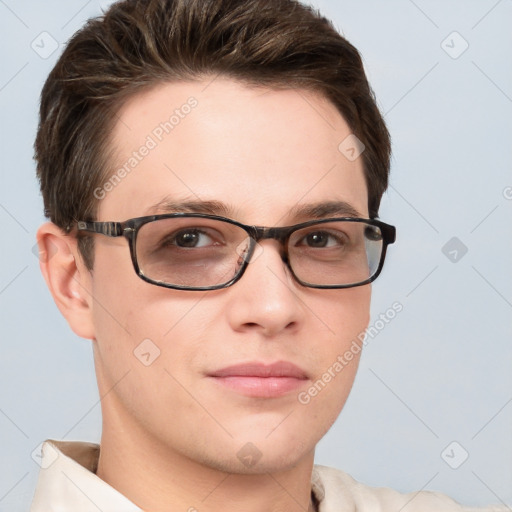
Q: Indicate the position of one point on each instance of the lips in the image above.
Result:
(255, 369)
(261, 380)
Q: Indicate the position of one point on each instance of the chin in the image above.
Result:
(259, 456)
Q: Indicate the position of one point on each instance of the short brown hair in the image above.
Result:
(139, 43)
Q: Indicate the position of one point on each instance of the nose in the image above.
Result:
(266, 298)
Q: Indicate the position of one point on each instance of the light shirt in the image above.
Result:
(67, 482)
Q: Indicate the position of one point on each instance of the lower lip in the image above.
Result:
(261, 387)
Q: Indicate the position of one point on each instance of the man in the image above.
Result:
(213, 170)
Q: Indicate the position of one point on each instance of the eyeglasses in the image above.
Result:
(193, 251)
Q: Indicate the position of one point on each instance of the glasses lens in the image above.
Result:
(335, 253)
(191, 252)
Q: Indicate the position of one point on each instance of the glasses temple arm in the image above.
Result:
(104, 228)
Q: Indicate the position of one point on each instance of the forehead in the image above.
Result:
(262, 152)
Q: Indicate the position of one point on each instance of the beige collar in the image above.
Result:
(67, 481)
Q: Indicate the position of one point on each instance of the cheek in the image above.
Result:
(346, 313)
(139, 325)
(115, 296)
(124, 316)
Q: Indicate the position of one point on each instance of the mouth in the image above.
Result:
(259, 380)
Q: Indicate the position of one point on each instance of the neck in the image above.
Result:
(158, 478)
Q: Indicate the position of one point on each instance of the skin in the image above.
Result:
(171, 435)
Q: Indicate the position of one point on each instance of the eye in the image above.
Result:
(323, 239)
(373, 233)
(189, 238)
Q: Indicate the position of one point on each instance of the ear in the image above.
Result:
(67, 278)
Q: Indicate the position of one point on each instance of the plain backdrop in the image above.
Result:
(431, 407)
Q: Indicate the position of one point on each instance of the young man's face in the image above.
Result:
(264, 154)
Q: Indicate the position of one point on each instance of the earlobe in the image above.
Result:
(67, 277)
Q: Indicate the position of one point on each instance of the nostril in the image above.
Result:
(251, 325)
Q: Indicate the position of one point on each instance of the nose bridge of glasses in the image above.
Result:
(262, 233)
(259, 233)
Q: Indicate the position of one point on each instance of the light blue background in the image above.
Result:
(439, 372)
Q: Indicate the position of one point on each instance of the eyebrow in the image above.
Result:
(168, 205)
(326, 209)
(311, 211)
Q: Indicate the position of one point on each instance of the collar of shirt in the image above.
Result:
(67, 481)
